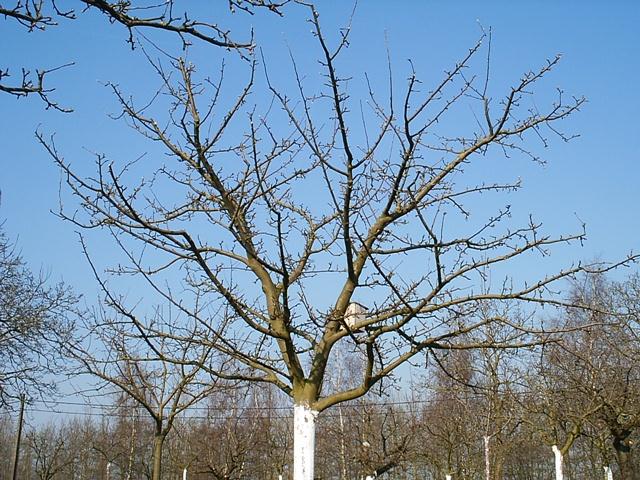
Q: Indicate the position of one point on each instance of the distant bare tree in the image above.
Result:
(34, 320)
(387, 437)
(604, 359)
(51, 452)
(136, 366)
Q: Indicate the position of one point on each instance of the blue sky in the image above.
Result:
(592, 179)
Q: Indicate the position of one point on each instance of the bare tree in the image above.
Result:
(170, 17)
(51, 453)
(135, 364)
(604, 359)
(451, 422)
(284, 232)
(32, 15)
(141, 15)
(497, 389)
(557, 410)
(34, 319)
(386, 435)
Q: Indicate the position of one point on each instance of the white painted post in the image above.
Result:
(558, 456)
(608, 474)
(487, 464)
(304, 439)
(184, 474)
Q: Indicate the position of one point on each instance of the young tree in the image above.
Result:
(137, 366)
(283, 231)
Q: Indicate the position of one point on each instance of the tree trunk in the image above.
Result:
(622, 446)
(498, 465)
(304, 436)
(343, 446)
(487, 459)
(558, 457)
(608, 474)
(158, 442)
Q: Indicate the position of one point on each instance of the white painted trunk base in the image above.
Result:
(487, 461)
(448, 477)
(304, 441)
(184, 474)
(558, 456)
(608, 474)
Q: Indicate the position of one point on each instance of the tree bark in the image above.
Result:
(158, 442)
(622, 446)
(497, 469)
(304, 435)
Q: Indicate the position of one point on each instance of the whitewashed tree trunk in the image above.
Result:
(132, 449)
(558, 457)
(343, 446)
(608, 474)
(108, 470)
(304, 439)
(448, 477)
(487, 462)
(184, 474)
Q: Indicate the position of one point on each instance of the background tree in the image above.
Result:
(391, 224)
(606, 351)
(451, 424)
(34, 319)
(557, 410)
(51, 452)
(163, 378)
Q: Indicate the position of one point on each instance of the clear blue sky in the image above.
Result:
(593, 177)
